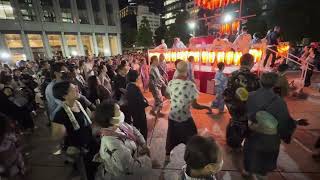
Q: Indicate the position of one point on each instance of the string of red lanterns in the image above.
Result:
(213, 4)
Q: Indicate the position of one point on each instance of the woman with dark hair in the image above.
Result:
(96, 92)
(104, 78)
(72, 120)
(123, 150)
(137, 103)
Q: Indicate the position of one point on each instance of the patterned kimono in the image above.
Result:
(220, 85)
(144, 72)
(119, 154)
(155, 84)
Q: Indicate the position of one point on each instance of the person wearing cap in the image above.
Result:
(282, 86)
(239, 84)
(182, 93)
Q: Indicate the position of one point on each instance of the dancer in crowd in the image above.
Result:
(156, 82)
(282, 86)
(163, 45)
(163, 67)
(220, 82)
(243, 41)
(273, 39)
(239, 84)
(137, 103)
(269, 123)
(190, 69)
(144, 73)
(203, 159)
(178, 44)
(183, 93)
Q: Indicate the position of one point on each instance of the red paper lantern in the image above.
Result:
(214, 4)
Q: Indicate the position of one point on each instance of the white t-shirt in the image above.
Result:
(182, 93)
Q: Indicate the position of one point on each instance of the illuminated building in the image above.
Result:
(45, 28)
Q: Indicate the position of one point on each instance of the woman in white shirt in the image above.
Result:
(124, 153)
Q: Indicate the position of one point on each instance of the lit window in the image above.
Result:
(66, 13)
(48, 12)
(26, 9)
(6, 10)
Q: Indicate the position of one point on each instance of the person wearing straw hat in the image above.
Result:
(182, 93)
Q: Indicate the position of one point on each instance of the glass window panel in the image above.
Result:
(66, 12)
(100, 44)
(96, 12)
(36, 45)
(82, 11)
(26, 9)
(6, 10)
(110, 14)
(72, 44)
(13, 40)
(87, 44)
(14, 43)
(48, 12)
(113, 45)
(55, 44)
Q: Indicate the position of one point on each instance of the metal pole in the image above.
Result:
(240, 15)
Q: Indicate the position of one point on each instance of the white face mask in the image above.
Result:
(118, 120)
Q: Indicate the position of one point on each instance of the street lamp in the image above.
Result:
(227, 18)
(192, 26)
(74, 53)
(4, 55)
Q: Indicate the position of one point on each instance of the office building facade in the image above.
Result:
(34, 29)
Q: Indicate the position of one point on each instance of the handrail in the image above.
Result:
(294, 61)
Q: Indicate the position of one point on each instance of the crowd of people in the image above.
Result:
(96, 107)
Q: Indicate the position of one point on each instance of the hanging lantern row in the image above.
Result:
(205, 56)
(214, 4)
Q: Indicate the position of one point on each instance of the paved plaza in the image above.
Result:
(294, 163)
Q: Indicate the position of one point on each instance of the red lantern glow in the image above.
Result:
(214, 4)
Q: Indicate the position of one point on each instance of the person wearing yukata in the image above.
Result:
(156, 82)
(220, 85)
(163, 45)
(243, 41)
(239, 85)
(144, 73)
(178, 44)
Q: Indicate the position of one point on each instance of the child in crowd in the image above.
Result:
(220, 85)
(203, 159)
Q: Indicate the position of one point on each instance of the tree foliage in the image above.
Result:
(179, 28)
(129, 37)
(144, 37)
(160, 34)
